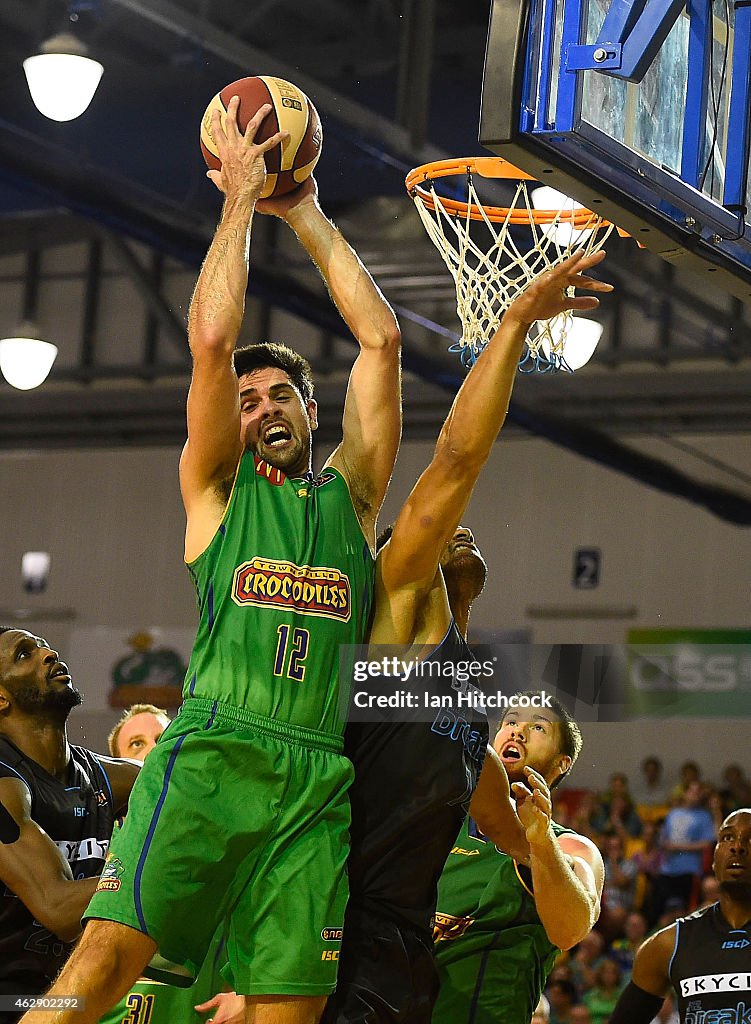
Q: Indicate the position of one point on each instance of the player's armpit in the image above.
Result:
(34, 869)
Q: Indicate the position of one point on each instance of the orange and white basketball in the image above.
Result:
(287, 165)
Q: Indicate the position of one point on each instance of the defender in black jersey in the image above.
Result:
(412, 783)
(705, 957)
(57, 808)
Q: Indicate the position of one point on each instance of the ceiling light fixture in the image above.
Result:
(62, 79)
(26, 360)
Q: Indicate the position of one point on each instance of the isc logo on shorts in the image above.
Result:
(332, 934)
(330, 954)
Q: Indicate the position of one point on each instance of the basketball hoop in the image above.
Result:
(488, 278)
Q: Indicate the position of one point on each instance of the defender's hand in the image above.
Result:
(549, 295)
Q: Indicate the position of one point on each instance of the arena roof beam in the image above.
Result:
(199, 32)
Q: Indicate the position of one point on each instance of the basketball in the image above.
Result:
(288, 165)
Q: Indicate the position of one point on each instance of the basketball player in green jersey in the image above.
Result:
(243, 813)
(151, 1001)
(501, 922)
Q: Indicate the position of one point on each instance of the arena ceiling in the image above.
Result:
(396, 82)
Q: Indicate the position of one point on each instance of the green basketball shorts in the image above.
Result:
(240, 821)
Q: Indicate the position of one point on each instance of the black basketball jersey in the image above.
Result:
(78, 816)
(711, 969)
(413, 783)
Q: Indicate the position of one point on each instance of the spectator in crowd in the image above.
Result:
(736, 791)
(709, 891)
(582, 817)
(601, 1000)
(580, 1014)
(136, 733)
(617, 817)
(562, 997)
(647, 858)
(585, 960)
(686, 841)
(716, 808)
(689, 772)
(618, 890)
(624, 949)
(650, 792)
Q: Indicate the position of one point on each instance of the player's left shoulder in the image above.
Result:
(121, 774)
(581, 848)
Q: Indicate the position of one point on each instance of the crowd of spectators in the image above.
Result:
(656, 839)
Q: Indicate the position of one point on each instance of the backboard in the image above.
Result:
(640, 110)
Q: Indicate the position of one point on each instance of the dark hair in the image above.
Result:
(571, 737)
(7, 629)
(383, 537)
(565, 986)
(257, 357)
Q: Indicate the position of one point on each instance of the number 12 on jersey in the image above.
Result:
(291, 650)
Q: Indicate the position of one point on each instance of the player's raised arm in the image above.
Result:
(434, 508)
(567, 872)
(33, 868)
(372, 409)
(213, 447)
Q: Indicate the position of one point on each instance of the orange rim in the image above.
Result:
(490, 167)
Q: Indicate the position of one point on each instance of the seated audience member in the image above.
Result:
(582, 818)
(647, 857)
(623, 949)
(736, 789)
(688, 772)
(618, 890)
(580, 1014)
(618, 817)
(561, 997)
(709, 891)
(585, 960)
(601, 1000)
(650, 792)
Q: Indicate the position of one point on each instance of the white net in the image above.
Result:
(489, 277)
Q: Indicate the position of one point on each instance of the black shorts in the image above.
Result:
(387, 975)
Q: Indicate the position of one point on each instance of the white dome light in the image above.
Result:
(62, 79)
(582, 338)
(563, 234)
(26, 361)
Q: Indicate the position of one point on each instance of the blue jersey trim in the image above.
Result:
(675, 947)
(150, 836)
(107, 780)
(10, 766)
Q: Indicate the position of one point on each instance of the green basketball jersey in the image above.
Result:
(286, 579)
(492, 952)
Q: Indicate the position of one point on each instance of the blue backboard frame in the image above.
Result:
(531, 113)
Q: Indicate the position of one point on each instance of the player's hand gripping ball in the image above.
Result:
(288, 165)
